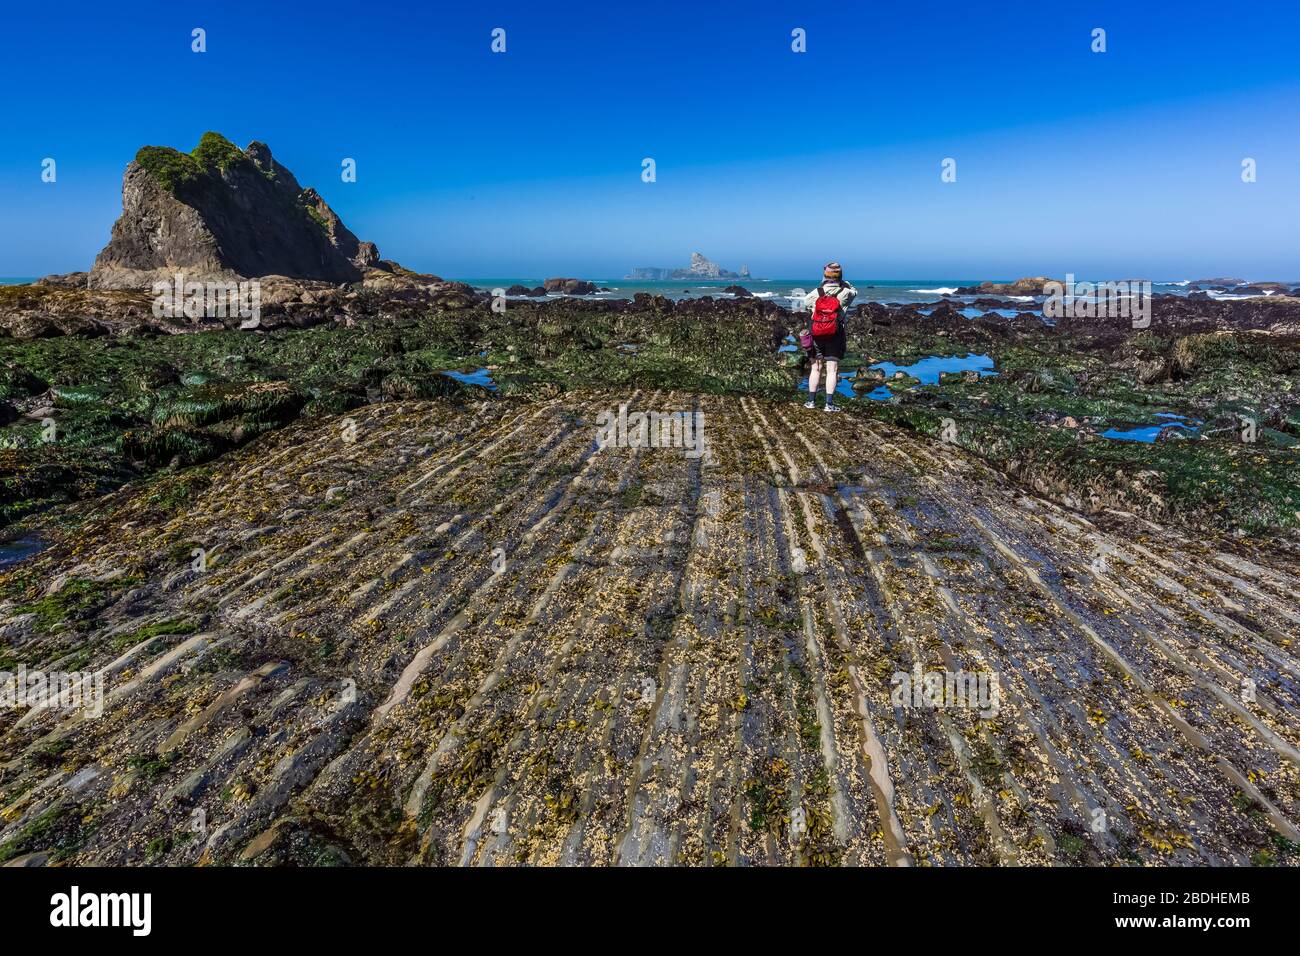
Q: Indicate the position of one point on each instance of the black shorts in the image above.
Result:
(829, 346)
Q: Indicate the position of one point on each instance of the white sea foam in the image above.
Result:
(1232, 296)
(942, 290)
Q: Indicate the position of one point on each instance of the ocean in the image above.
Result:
(893, 291)
(783, 291)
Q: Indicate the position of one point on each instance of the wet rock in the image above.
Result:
(1029, 286)
(569, 286)
(868, 379)
(1150, 371)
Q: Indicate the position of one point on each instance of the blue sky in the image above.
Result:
(528, 163)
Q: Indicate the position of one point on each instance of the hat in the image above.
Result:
(832, 271)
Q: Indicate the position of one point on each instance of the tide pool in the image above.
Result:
(929, 368)
(478, 377)
(843, 385)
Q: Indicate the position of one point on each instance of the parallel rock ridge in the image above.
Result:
(472, 636)
(221, 213)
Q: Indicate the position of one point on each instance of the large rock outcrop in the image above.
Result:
(222, 213)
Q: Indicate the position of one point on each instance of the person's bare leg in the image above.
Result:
(832, 366)
(814, 376)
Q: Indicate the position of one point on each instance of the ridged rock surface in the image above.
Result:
(668, 660)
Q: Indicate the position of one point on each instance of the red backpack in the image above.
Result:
(826, 316)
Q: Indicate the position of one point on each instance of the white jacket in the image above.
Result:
(841, 290)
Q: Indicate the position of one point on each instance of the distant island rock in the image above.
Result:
(569, 286)
(220, 213)
(700, 268)
(1030, 286)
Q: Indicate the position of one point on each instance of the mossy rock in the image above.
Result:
(18, 382)
(75, 396)
(399, 386)
(158, 447)
(214, 402)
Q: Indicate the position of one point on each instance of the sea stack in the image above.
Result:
(221, 213)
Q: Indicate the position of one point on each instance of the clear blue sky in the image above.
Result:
(528, 163)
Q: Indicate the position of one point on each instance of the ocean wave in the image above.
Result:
(942, 290)
(1233, 296)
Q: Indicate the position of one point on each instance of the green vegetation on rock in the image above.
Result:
(175, 170)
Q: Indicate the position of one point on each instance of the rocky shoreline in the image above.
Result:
(173, 400)
(469, 636)
(165, 391)
(360, 582)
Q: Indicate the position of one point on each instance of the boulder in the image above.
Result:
(569, 286)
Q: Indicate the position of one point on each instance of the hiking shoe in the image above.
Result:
(831, 408)
(811, 403)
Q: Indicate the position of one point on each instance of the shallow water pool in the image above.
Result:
(19, 549)
(843, 385)
(478, 377)
(929, 368)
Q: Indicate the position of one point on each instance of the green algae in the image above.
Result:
(1013, 420)
(78, 599)
(61, 830)
(161, 628)
(132, 406)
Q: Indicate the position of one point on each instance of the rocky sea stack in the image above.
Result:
(220, 213)
(701, 267)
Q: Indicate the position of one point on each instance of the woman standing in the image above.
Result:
(825, 340)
